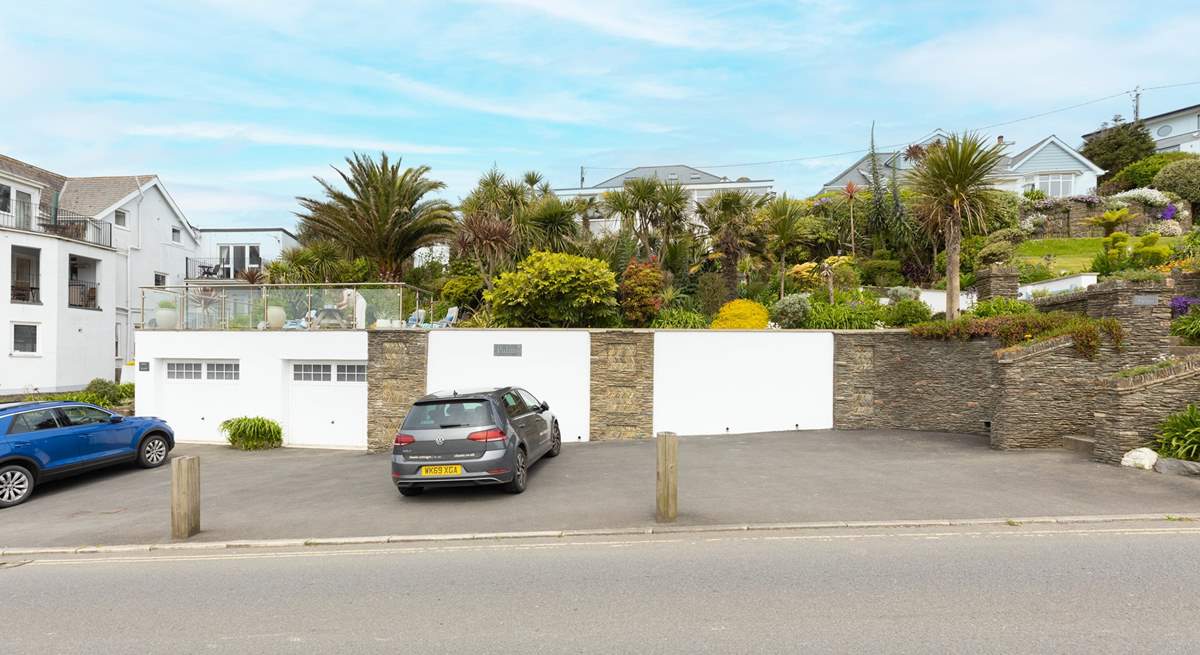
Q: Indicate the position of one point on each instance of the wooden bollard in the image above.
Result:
(185, 497)
(668, 477)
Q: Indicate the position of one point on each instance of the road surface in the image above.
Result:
(1109, 588)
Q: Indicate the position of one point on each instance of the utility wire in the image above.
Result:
(900, 145)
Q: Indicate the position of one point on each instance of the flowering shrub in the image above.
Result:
(1143, 196)
(1089, 199)
(1032, 223)
(1048, 204)
(1166, 228)
(1180, 305)
(741, 315)
(1168, 212)
(1188, 326)
(640, 292)
(1013, 329)
(791, 311)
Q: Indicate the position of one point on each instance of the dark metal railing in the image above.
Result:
(24, 292)
(83, 294)
(23, 215)
(212, 268)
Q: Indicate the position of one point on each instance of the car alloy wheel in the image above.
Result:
(154, 451)
(14, 486)
(520, 473)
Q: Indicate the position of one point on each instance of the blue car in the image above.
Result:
(41, 441)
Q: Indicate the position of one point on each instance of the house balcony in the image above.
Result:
(214, 268)
(23, 215)
(83, 294)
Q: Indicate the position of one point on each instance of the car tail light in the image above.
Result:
(495, 434)
(404, 439)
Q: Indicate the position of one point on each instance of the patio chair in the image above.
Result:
(415, 319)
(449, 320)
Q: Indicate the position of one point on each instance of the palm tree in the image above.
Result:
(673, 201)
(553, 224)
(384, 214)
(487, 239)
(952, 189)
(784, 218)
(850, 192)
(729, 218)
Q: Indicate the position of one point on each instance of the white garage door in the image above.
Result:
(327, 405)
(714, 381)
(555, 366)
(196, 395)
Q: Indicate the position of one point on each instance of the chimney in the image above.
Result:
(1000, 140)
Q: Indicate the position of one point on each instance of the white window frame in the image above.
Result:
(351, 372)
(340, 372)
(227, 268)
(12, 339)
(191, 374)
(165, 277)
(318, 372)
(121, 219)
(227, 371)
(1065, 183)
(176, 235)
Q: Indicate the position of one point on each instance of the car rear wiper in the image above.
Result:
(453, 425)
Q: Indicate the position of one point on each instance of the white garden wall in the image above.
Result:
(554, 365)
(313, 413)
(1077, 282)
(714, 381)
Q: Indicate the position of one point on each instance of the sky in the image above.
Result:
(237, 104)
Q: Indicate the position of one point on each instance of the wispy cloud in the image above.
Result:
(260, 134)
(558, 107)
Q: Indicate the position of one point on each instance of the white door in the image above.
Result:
(327, 405)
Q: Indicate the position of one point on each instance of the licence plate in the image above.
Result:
(448, 469)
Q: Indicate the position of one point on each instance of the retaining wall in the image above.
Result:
(1129, 410)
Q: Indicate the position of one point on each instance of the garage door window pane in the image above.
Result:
(224, 371)
(183, 370)
(312, 372)
(352, 373)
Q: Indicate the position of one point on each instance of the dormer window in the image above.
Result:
(672, 176)
(119, 218)
(694, 177)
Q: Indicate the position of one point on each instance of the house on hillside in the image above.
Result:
(1177, 130)
(1050, 165)
(76, 254)
(699, 185)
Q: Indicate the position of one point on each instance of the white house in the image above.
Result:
(226, 252)
(1048, 164)
(73, 251)
(1172, 131)
(698, 184)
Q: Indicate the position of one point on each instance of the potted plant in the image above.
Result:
(167, 315)
(276, 316)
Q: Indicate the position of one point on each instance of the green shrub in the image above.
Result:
(896, 294)
(76, 397)
(1141, 172)
(252, 433)
(846, 276)
(710, 293)
(843, 316)
(1179, 435)
(1012, 329)
(1001, 307)
(1114, 254)
(791, 311)
(1149, 253)
(1181, 177)
(1139, 275)
(680, 319)
(741, 314)
(110, 392)
(463, 291)
(880, 272)
(1188, 325)
(552, 289)
(640, 292)
(907, 312)
(999, 252)
(1034, 272)
(480, 318)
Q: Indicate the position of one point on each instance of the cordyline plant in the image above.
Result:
(1013, 329)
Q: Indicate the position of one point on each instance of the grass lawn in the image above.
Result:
(1070, 255)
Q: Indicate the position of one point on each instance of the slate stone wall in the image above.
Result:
(1048, 391)
(622, 384)
(1129, 410)
(396, 363)
(1063, 302)
(996, 282)
(1144, 311)
(889, 379)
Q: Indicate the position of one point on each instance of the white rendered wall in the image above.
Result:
(936, 299)
(271, 242)
(713, 381)
(555, 366)
(195, 408)
(1077, 282)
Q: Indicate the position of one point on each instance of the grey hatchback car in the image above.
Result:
(476, 437)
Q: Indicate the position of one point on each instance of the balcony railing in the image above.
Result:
(287, 307)
(83, 294)
(23, 215)
(26, 292)
(212, 268)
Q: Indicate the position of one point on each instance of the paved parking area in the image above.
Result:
(757, 478)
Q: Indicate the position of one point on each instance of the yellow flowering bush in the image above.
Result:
(741, 315)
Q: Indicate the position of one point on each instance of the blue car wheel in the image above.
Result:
(153, 451)
(16, 485)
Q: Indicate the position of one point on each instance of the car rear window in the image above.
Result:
(448, 414)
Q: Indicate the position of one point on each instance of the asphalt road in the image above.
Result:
(1101, 589)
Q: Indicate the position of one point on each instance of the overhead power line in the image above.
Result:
(901, 145)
